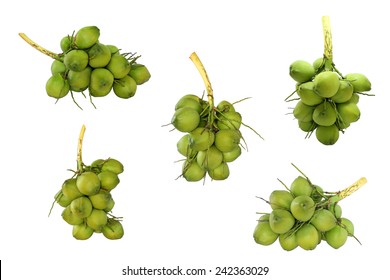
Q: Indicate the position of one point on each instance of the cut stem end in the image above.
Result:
(328, 47)
(80, 149)
(39, 48)
(202, 71)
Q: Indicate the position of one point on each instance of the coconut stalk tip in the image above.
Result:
(38, 47)
(328, 47)
(202, 71)
(352, 188)
(80, 149)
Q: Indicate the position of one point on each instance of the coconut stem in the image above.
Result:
(328, 47)
(336, 197)
(352, 188)
(202, 71)
(39, 48)
(80, 149)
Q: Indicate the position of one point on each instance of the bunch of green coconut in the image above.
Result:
(328, 101)
(88, 202)
(87, 197)
(86, 64)
(212, 137)
(304, 215)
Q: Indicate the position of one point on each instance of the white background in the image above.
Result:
(246, 47)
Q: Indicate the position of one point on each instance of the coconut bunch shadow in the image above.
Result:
(213, 138)
(87, 197)
(86, 64)
(327, 100)
(304, 215)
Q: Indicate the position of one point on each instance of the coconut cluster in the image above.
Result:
(327, 100)
(212, 137)
(87, 200)
(87, 64)
(303, 216)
